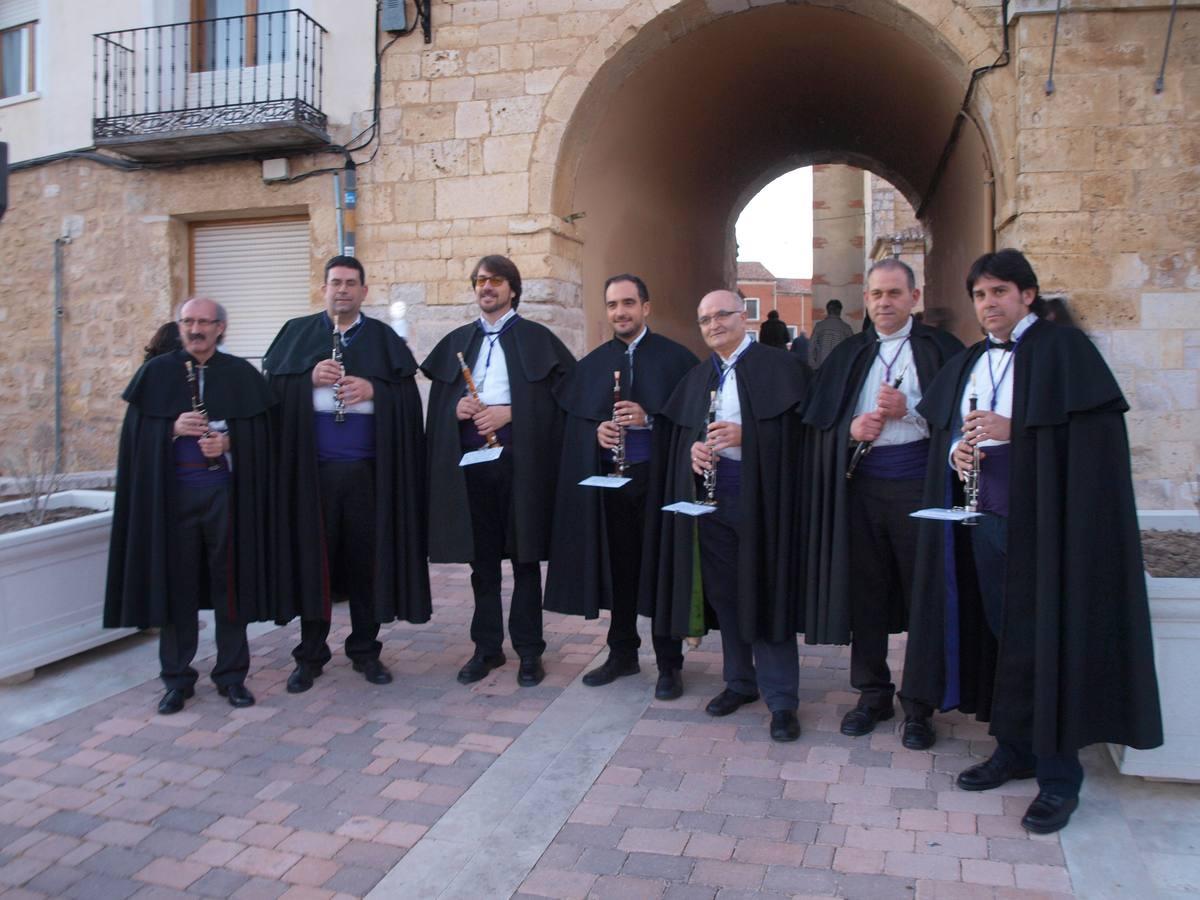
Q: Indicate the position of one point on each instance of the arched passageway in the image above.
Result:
(686, 122)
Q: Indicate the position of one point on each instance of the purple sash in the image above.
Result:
(899, 462)
(993, 479)
(191, 468)
(348, 441)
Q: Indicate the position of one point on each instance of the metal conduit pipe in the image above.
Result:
(59, 243)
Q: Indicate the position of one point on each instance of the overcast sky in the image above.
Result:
(775, 228)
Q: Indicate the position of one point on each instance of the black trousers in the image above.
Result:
(1060, 773)
(884, 546)
(625, 523)
(348, 517)
(202, 545)
(769, 668)
(489, 492)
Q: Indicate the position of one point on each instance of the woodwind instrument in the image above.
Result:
(971, 482)
(619, 462)
(214, 464)
(467, 377)
(339, 404)
(710, 474)
(864, 447)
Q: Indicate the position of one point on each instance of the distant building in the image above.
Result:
(764, 292)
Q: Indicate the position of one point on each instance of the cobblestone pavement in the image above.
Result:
(320, 795)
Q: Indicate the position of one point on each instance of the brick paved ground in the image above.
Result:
(319, 795)
(696, 807)
(309, 796)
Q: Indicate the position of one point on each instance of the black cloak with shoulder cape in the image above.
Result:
(1074, 664)
(827, 538)
(142, 569)
(579, 577)
(536, 361)
(305, 579)
(771, 386)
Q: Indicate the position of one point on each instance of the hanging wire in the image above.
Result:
(1160, 82)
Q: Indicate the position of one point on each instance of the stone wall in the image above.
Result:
(483, 133)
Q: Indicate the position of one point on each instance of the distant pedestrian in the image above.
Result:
(773, 332)
(828, 333)
(800, 347)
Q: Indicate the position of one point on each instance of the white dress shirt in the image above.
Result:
(323, 396)
(911, 427)
(729, 408)
(627, 391)
(490, 367)
(995, 397)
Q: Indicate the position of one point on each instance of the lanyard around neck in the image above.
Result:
(998, 383)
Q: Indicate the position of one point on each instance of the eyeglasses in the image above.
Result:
(203, 323)
(719, 317)
(493, 280)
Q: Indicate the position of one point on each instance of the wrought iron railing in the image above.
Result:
(210, 73)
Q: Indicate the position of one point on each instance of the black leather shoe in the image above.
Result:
(374, 671)
(990, 774)
(237, 694)
(478, 666)
(172, 701)
(302, 678)
(1048, 812)
(785, 726)
(728, 702)
(917, 733)
(862, 719)
(610, 670)
(669, 685)
(530, 672)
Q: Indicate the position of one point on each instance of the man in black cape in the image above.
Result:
(1035, 618)
(351, 478)
(190, 520)
(746, 567)
(861, 542)
(502, 508)
(597, 555)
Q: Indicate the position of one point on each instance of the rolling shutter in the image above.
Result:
(259, 271)
(17, 12)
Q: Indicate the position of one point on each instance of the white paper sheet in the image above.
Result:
(690, 509)
(944, 515)
(605, 481)
(474, 457)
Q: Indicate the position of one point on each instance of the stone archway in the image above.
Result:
(663, 142)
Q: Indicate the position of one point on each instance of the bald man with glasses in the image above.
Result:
(746, 546)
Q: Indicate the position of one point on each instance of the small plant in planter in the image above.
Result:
(37, 479)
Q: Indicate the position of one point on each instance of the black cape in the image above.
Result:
(827, 535)
(578, 579)
(536, 360)
(1074, 664)
(771, 386)
(141, 560)
(305, 580)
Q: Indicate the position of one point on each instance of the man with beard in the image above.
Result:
(598, 557)
(503, 507)
(867, 473)
(745, 546)
(190, 519)
(351, 477)
(1035, 618)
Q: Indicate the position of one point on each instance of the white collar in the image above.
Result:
(632, 345)
(741, 348)
(495, 327)
(1018, 331)
(898, 335)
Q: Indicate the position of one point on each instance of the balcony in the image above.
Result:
(212, 87)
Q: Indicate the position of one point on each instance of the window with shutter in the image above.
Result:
(259, 271)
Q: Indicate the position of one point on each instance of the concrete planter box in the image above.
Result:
(1175, 620)
(52, 585)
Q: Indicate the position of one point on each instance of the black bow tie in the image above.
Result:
(1002, 345)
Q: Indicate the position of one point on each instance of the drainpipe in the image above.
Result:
(341, 214)
(59, 243)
